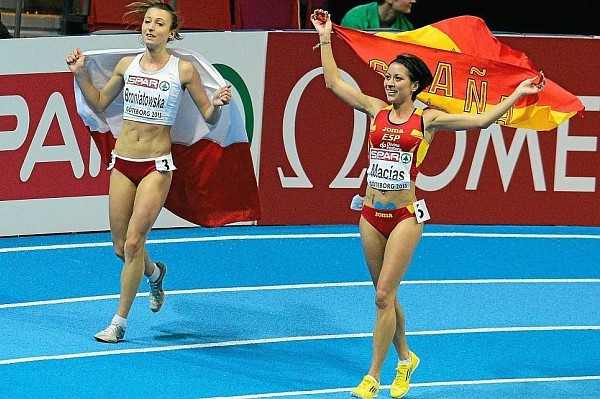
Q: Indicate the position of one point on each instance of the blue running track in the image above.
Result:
(288, 312)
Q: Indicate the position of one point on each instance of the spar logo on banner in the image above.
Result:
(46, 151)
(313, 155)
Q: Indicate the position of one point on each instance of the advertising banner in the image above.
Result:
(309, 148)
(313, 151)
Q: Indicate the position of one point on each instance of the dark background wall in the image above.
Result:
(519, 16)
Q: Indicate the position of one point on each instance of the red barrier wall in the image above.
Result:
(51, 160)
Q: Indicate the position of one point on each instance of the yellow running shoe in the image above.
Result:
(401, 383)
(367, 389)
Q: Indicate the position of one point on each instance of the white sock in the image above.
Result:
(407, 361)
(155, 274)
(120, 321)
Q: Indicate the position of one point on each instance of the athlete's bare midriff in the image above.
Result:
(143, 140)
(400, 198)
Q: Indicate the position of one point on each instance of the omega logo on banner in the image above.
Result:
(301, 180)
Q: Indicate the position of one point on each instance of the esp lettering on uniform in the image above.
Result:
(390, 137)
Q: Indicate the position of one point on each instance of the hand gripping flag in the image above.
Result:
(471, 68)
(214, 183)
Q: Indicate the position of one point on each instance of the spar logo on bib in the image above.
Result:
(164, 86)
(405, 158)
(142, 81)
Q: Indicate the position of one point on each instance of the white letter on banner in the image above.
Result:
(565, 144)
(359, 132)
(433, 183)
(507, 160)
(18, 108)
(67, 152)
(301, 180)
(95, 158)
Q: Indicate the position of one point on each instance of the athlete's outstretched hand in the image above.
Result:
(75, 60)
(321, 20)
(533, 85)
(222, 96)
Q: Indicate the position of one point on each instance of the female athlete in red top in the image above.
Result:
(400, 136)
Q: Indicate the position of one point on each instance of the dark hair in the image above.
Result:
(418, 70)
(138, 9)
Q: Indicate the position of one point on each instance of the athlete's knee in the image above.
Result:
(384, 298)
(133, 245)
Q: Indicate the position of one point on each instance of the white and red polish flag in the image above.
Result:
(214, 183)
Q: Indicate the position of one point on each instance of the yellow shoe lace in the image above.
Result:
(401, 382)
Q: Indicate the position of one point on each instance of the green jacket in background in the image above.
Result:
(366, 16)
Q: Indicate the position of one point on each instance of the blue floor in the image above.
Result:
(262, 312)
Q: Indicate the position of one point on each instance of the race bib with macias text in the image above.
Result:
(389, 170)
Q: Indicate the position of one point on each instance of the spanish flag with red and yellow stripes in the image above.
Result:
(472, 70)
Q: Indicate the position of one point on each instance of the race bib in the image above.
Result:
(389, 170)
(421, 211)
(145, 97)
(164, 163)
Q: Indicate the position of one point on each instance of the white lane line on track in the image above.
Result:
(294, 236)
(286, 339)
(302, 286)
(414, 385)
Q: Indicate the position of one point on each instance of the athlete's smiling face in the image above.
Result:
(398, 84)
(156, 27)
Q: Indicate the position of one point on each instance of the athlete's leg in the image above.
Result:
(120, 208)
(373, 243)
(399, 251)
(388, 261)
(149, 199)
